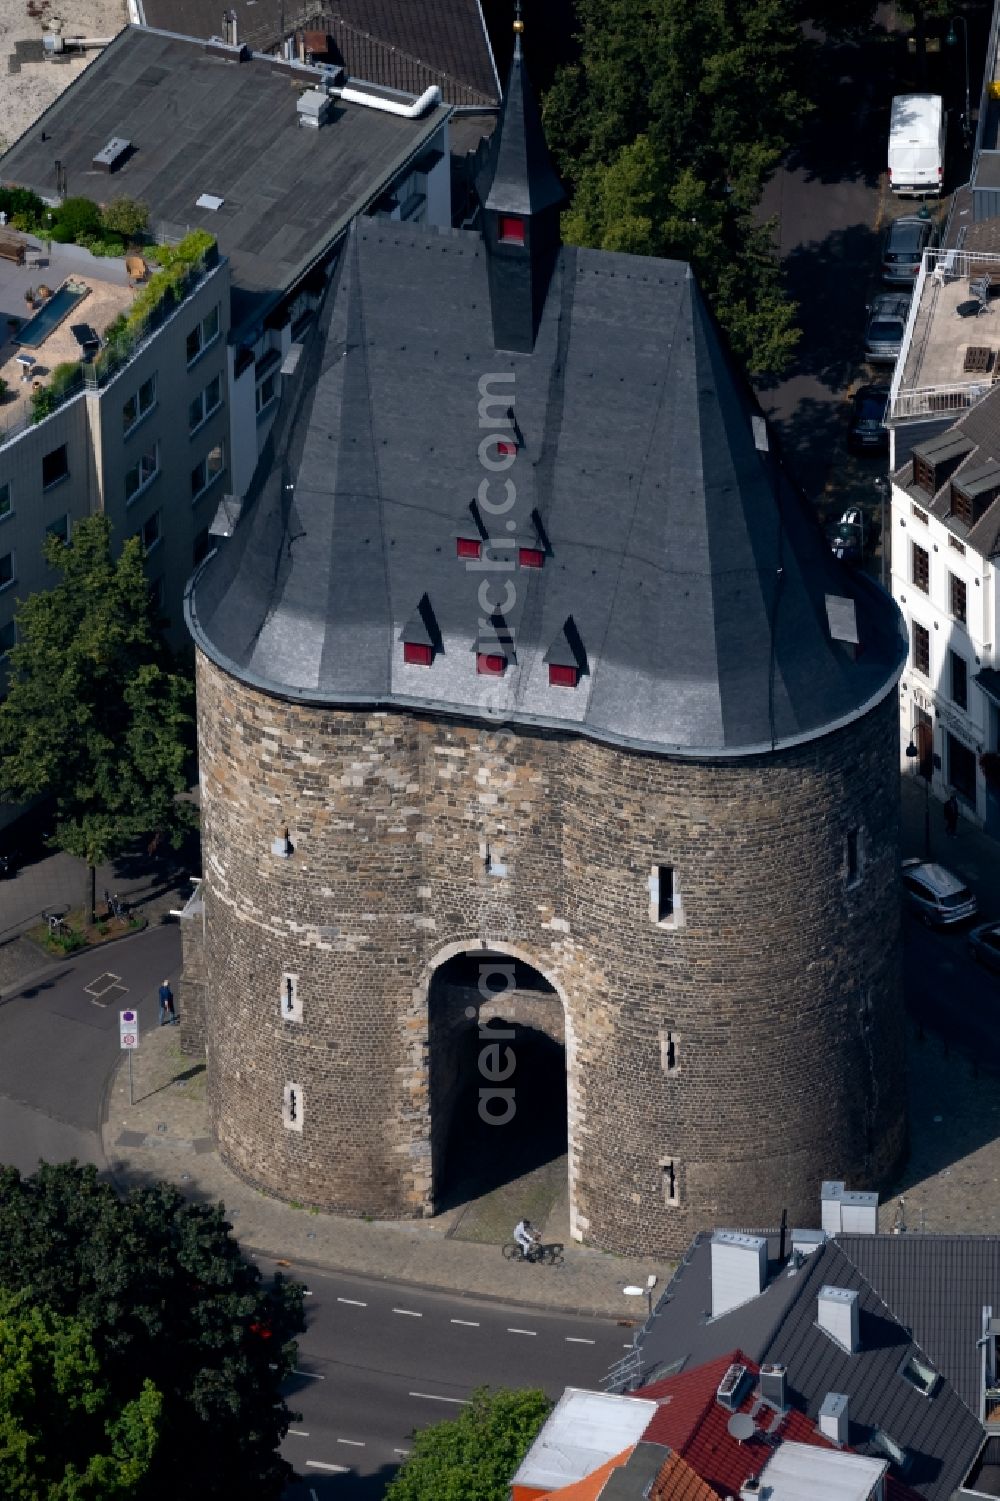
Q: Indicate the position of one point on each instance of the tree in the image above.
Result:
(94, 717)
(473, 1457)
(127, 217)
(164, 1294)
(62, 1434)
(667, 128)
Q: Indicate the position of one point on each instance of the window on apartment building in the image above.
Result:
(6, 569)
(205, 403)
(922, 649)
(663, 892)
(202, 335)
(59, 528)
(961, 769)
(142, 472)
(919, 1374)
(887, 1445)
(207, 472)
(8, 637)
(959, 680)
(958, 598)
(5, 502)
(918, 514)
(138, 405)
(149, 532)
(267, 391)
(55, 466)
(921, 568)
(201, 546)
(954, 542)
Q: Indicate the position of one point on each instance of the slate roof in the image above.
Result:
(940, 1433)
(694, 574)
(203, 124)
(399, 44)
(522, 177)
(937, 1286)
(981, 427)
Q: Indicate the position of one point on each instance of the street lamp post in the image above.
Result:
(951, 40)
(912, 753)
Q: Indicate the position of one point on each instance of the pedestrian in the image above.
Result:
(951, 816)
(167, 1012)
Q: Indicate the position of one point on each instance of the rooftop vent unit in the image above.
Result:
(732, 1387)
(314, 108)
(830, 1196)
(808, 1241)
(774, 1386)
(739, 1269)
(113, 155)
(752, 1488)
(837, 1316)
(834, 1422)
(859, 1213)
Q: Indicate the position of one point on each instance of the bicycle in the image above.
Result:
(116, 908)
(57, 924)
(540, 1255)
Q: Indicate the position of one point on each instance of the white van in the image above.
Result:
(916, 145)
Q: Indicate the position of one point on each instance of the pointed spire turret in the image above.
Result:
(520, 211)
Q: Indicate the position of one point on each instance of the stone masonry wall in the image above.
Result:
(779, 983)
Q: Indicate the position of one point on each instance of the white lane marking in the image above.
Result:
(577, 1339)
(522, 1331)
(411, 1313)
(310, 1375)
(400, 1451)
(297, 1433)
(355, 1443)
(433, 1397)
(468, 1323)
(317, 1464)
(354, 1302)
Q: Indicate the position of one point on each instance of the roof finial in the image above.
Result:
(518, 28)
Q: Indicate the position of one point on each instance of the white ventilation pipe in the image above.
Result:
(389, 106)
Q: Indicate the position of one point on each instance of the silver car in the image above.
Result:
(984, 945)
(936, 896)
(885, 326)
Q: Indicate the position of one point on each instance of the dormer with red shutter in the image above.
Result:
(420, 636)
(566, 658)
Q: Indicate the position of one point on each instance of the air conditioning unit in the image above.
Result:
(729, 1393)
(314, 108)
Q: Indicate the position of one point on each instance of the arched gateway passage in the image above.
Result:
(497, 1066)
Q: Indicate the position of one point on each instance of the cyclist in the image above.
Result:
(527, 1238)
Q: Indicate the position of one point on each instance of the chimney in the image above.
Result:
(752, 1489)
(739, 1269)
(859, 1213)
(808, 1241)
(834, 1421)
(830, 1196)
(773, 1386)
(838, 1316)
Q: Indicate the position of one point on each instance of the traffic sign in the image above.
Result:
(128, 1024)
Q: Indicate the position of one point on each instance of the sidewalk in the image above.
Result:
(971, 854)
(166, 1135)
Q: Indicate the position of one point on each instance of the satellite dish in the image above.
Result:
(741, 1426)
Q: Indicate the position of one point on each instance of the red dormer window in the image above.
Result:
(510, 231)
(417, 653)
(468, 547)
(506, 448)
(491, 664)
(563, 677)
(531, 557)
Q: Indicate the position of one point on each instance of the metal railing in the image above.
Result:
(956, 396)
(990, 73)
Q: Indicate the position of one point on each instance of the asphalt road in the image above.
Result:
(948, 992)
(378, 1361)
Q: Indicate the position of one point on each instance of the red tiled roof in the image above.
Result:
(678, 1482)
(696, 1426)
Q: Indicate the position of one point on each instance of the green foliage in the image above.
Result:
(76, 217)
(64, 381)
(22, 204)
(126, 217)
(63, 1434)
(667, 129)
(65, 943)
(166, 287)
(473, 1457)
(93, 717)
(165, 1297)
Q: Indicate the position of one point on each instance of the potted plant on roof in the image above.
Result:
(29, 297)
(44, 292)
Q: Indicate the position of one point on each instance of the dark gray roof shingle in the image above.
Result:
(696, 577)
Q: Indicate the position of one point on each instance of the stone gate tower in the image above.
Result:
(525, 647)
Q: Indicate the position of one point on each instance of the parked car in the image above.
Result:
(938, 897)
(984, 945)
(868, 432)
(905, 241)
(885, 326)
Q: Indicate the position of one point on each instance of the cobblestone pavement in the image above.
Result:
(165, 1134)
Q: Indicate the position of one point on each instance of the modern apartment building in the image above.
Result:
(273, 159)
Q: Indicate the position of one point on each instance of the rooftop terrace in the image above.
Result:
(951, 348)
